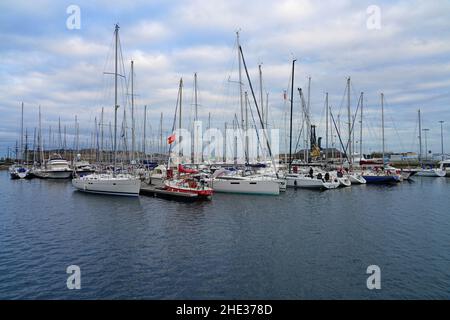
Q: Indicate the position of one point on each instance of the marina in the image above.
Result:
(225, 150)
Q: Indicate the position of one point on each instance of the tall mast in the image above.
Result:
(161, 134)
(34, 146)
(195, 97)
(267, 110)
(145, 125)
(26, 146)
(420, 137)
(361, 127)
(382, 123)
(116, 32)
(261, 100)
(326, 130)
(442, 139)
(308, 120)
(181, 103)
(241, 97)
(40, 139)
(59, 134)
(77, 137)
(21, 136)
(194, 131)
(179, 118)
(292, 107)
(101, 135)
(350, 156)
(133, 142)
(246, 126)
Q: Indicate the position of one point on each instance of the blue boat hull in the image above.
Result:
(382, 179)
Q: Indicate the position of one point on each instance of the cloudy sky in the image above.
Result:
(405, 54)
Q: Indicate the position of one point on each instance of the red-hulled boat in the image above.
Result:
(188, 184)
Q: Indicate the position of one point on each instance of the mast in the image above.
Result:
(361, 126)
(116, 32)
(241, 98)
(267, 110)
(326, 128)
(195, 129)
(195, 97)
(179, 118)
(349, 124)
(246, 127)
(292, 107)
(160, 134)
(382, 123)
(261, 101)
(101, 135)
(21, 137)
(133, 142)
(34, 146)
(442, 139)
(308, 121)
(26, 146)
(420, 137)
(40, 139)
(145, 125)
(59, 135)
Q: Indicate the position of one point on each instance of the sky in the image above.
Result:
(400, 48)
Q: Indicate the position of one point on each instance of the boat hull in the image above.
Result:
(431, 173)
(344, 182)
(117, 187)
(356, 179)
(310, 183)
(260, 187)
(382, 179)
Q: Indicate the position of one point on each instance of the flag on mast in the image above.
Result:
(171, 139)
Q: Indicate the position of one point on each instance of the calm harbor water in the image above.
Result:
(300, 245)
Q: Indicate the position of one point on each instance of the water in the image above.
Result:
(300, 245)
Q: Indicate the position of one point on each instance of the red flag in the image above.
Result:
(171, 139)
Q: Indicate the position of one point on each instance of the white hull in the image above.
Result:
(250, 186)
(49, 174)
(344, 182)
(356, 179)
(106, 184)
(298, 181)
(431, 173)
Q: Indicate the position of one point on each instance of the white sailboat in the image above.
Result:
(296, 180)
(245, 185)
(110, 183)
(434, 172)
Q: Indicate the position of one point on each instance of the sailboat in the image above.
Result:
(18, 170)
(383, 175)
(187, 182)
(110, 183)
(230, 182)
